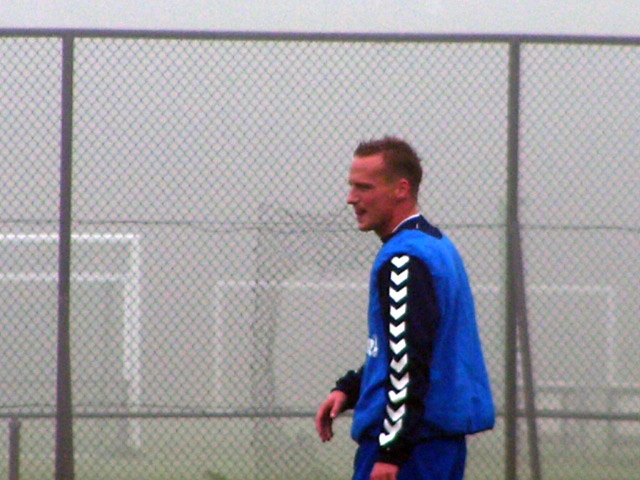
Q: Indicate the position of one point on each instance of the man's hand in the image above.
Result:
(384, 471)
(330, 409)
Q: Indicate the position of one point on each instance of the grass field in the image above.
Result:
(288, 450)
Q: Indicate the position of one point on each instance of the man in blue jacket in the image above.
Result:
(424, 384)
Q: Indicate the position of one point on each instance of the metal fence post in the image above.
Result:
(64, 429)
(511, 332)
(517, 326)
(14, 449)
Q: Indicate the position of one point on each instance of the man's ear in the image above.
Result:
(403, 189)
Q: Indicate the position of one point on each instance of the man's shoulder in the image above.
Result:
(404, 248)
(430, 250)
(416, 240)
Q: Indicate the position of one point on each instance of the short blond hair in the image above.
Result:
(400, 158)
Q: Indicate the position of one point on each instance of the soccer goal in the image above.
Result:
(29, 269)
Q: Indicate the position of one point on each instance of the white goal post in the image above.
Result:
(130, 283)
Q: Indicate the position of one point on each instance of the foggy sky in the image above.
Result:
(592, 17)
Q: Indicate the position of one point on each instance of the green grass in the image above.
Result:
(226, 449)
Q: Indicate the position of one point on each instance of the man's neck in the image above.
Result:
(414, 214)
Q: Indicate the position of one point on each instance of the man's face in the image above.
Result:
(372, 195)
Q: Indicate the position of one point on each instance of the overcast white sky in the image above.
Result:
(594, 17)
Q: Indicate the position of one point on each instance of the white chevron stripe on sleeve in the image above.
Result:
(400, 261)
(399, 383)
(398, 295)
(396, 415)
(398, 397)
(398, 347)
(386, 438)
(392, 432)
(397, 330)
(399, 365)
(390, 427)
(397, 313)
(400, 277)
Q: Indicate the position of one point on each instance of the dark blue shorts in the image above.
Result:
(435, 459)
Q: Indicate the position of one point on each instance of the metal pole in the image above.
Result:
(517, 325)
(517, 309)
(14, 449)
(517, 274)
(527, 367)
(511, 333)
(64, 430)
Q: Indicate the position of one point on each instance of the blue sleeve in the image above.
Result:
(411, 315)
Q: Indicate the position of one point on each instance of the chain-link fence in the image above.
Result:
(218, 283)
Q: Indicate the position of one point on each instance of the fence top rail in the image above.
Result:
(322, 36)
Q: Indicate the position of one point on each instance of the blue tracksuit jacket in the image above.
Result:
(424, 375)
